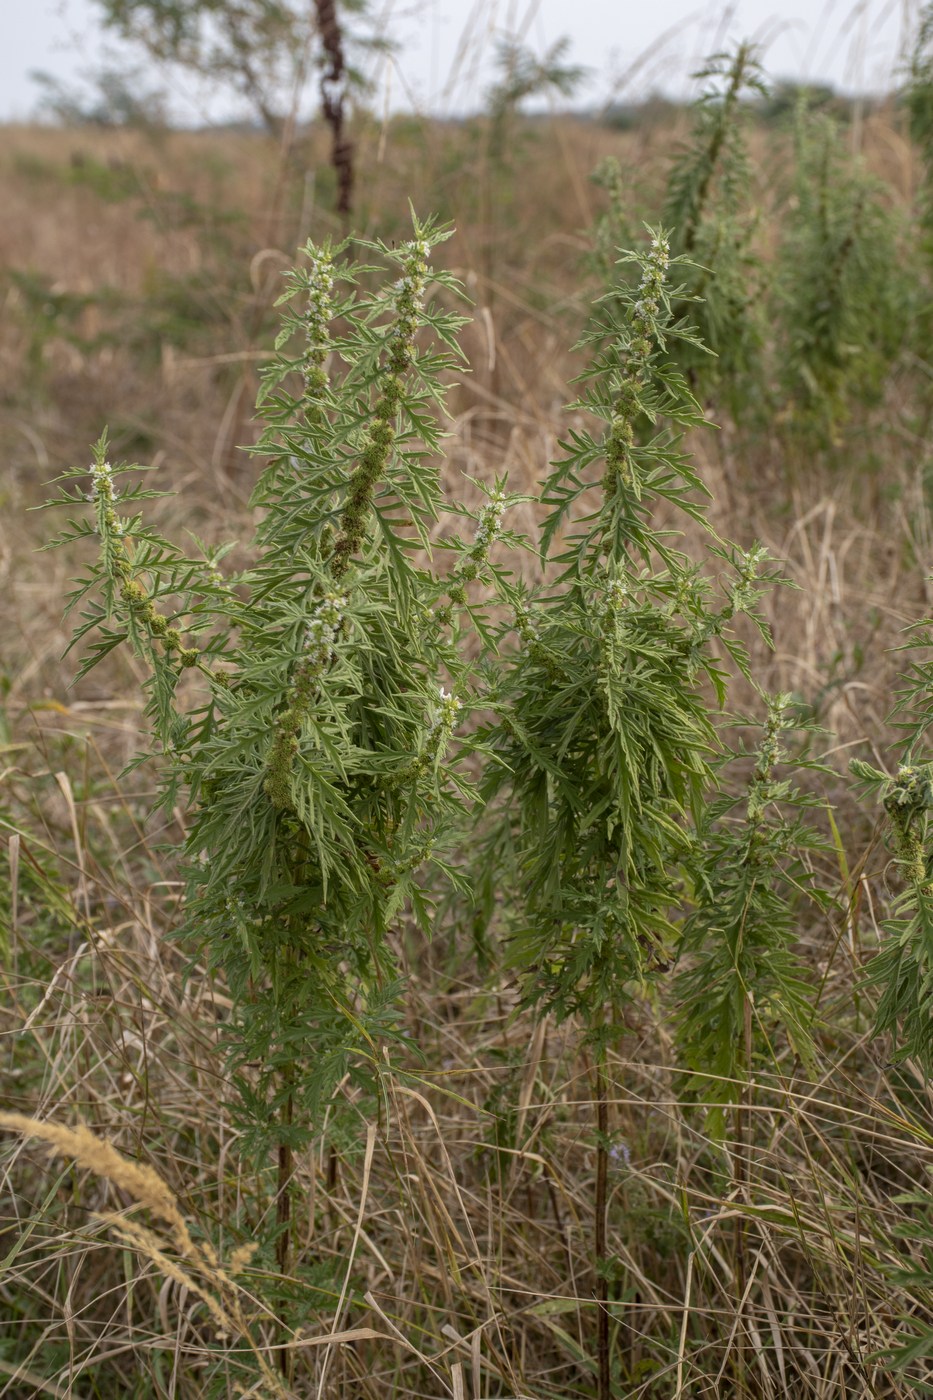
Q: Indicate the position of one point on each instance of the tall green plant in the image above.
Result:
(742, 981)
(708, 205)
(900, 974)
(843, 289)
(604, 733)
(902, 970)
(918, 97)
(312, 746)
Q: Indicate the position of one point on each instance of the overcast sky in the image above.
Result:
(445, 45)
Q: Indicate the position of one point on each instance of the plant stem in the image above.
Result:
(740, 1174)
(602, 1175)
(284, 1213)
(283, 1198)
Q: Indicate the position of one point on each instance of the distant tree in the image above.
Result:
(265, 51)
(785, 98)
(108, 98)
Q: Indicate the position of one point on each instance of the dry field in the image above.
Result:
(445, 1240)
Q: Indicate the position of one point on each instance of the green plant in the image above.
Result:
(523, 75)
(918, 98)
(604, 736)
(742, 981)
(707, 204)
(902, 970)
(900, 973)
(843, 291)
(300, 708)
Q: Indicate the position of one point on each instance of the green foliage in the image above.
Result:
(320, 713)
(742, 980)
(604, 733)
(843, 299)
(707, 205)
(803, 333)
(902, 970)
(299, 708)
(308, 711)
(918, 98)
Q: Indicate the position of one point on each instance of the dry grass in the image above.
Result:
(459, 1208)
(445, 1244)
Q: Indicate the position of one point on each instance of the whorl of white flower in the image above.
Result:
(323, 629)
(750, 561)
(635, 354)
(685, 594)
(657, 262)
(654, 271)
(320, 284)
(317, 319)
(490, 521)
(409, 289)
(645, 307)
(488, 527)
(770, 754)
(441, 723)
(617, 595)
(101, 482)
(444, 717)
(744, 593)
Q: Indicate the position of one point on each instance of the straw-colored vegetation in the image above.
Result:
(418, 1073)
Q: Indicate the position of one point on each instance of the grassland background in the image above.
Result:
(137, 275)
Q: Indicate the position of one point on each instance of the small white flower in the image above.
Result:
(323, 629)
(617, 595)
(445, 717)
(101, 481)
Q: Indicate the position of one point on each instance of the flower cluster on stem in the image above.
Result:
(317, 321)
(908, 799)
(745, 591)
(408, 304)
(643, 328)
(761, 789)
(441, 725)
(743, 594)
(617, 596)
(320, 641)
(531, 638)
(120, 569)
(488, 529)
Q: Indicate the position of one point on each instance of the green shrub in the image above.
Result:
(303, 709)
